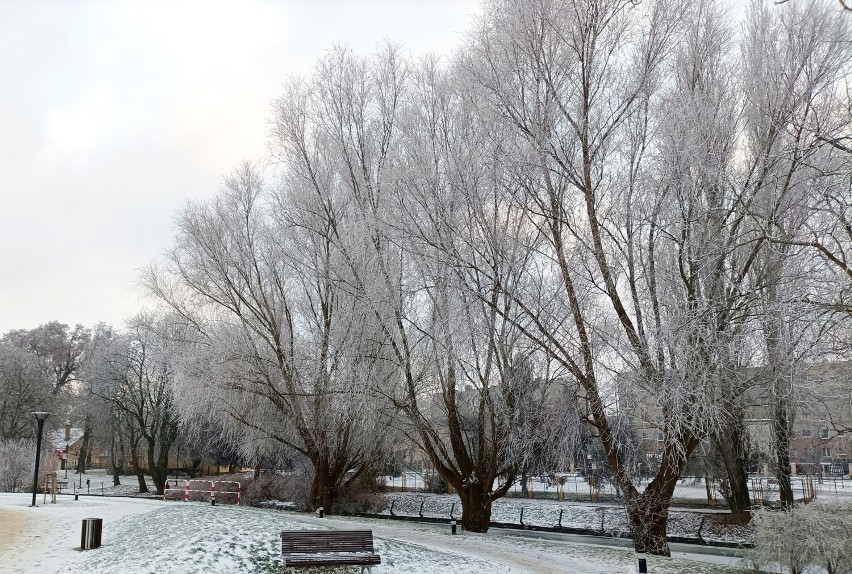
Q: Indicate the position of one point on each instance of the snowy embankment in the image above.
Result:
(151, 536)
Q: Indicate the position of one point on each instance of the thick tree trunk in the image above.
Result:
(324, 488)
(729, 447)
(476, 507)
(781, 438)
(114, 462)
(137, 470)
(158, 458)
(648, 514)
(84, 448)
(157, 467)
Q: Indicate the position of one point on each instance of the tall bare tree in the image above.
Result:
(277, 352)
(650, 171)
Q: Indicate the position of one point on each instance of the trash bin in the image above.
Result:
(91, 535)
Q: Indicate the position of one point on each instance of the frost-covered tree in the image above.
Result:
(24, 388)
(60, 349)
(803, 537)
(17, 458)
(278, 353)
(429, 255)
(133, 375)
(655, 164)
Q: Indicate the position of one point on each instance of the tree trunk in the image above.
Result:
(157, 467)
(323, 488)
(113, 462)
(729, 447)
(158, 458)
(192, 471)
(648, 514)
(710, 500)
(84, 448)
(137, 470)
(476, 507)
(524, 490)
(781, 439)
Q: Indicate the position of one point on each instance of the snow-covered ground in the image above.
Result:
(153, 536)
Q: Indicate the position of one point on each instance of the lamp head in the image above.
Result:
(41, 415)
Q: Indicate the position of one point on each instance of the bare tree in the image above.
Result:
(60, 349)
(23, 388)
(277, 354)
(647, 189)
(134, 375)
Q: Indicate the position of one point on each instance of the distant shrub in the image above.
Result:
(816, 534)
(360, 495)
(436, 484)
(293, 487)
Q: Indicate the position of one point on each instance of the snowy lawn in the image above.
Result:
(153, 537)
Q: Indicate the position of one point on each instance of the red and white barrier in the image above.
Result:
(190, 484)
(169, 488)
(238, 492)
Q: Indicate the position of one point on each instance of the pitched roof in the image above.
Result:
(57, 437)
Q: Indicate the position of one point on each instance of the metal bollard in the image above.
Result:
(321, 511)
(643, 564)
(453, 527)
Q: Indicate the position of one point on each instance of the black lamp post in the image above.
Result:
(40, 417)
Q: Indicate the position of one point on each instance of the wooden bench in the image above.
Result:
(307, 548)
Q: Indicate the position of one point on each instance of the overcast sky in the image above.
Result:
(114, 113)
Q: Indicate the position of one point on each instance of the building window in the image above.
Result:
(826, 452)
(823, 433)
(841, 452)
(806, 432)
(794, 453)
(660, 436)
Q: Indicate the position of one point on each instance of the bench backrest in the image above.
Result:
(320, 541)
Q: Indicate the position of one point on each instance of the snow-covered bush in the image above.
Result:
(816, 534)
(16, 464)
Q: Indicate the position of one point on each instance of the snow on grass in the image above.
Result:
(195, 538)
(152, 536)
(190, 538)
